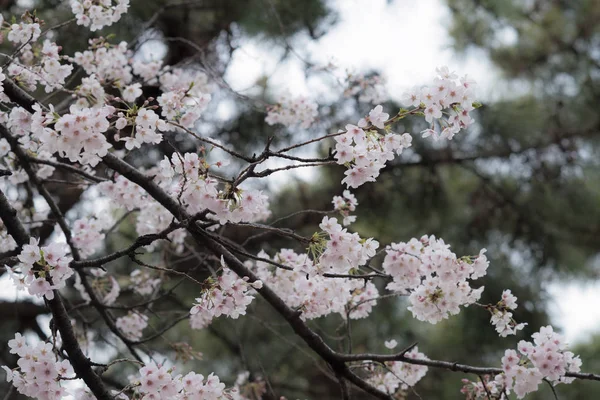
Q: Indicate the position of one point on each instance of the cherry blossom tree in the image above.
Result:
(185, 200)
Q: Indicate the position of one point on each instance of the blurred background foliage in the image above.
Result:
(522, 183)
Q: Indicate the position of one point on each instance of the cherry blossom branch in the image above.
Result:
(213, 143)
(66, 167)
(140, 241)
(108, 319)
(278, 231)
(267, 172)
(202, 237)
(81, 364)
(392, 120)
(451, 366)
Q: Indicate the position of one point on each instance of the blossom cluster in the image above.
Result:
(292, 111)
(342, 251)
(546, 358)
(33, 62)
(39, 372)
(7, 243)
(398, 375)
(438, 281)
(123, 192)
(156, 382)
(106, 63)
(87, 233)
(187, 177)
(24, 32)
(502, 316)
(40, 64)
(146, 124)
(345, 204)
(185, 92)
(77, 135)
(183, 100)
(481, 389)
(132, 325)
(313, 294)
(41, 270)
(446, 95)
(152, 217)
(365, 151)
(97, 14)
(227, 295)
(27, 128)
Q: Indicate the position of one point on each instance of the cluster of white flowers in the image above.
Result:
(363, 299)
(189, 80)
(345, 204)
(477, 390)
(546, 358)
(123, 192)
(315, 295)
(502, 316)
(39, 372)
(397, 375)
(40, 64)
(19, 121)
(105, 286)
(342, 251)
(53, 73)
(87, 233)
(369, 89)
(77, 135)
(178, 106)
(148, 71)
(227, 295)
(186, 94)
(7, 243)
(152, 217)
(366, 152)
(97, 14)
(108, 63)
(156, 382)
(28, 127)
(292, 111)
(435, 278)
(130, 93)
(147, 123)
(142, 282)
(447, 94)
(37, 264)
(24, 32)
(91, 92)
(132, 325)
(24, 75)
(185, 176)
